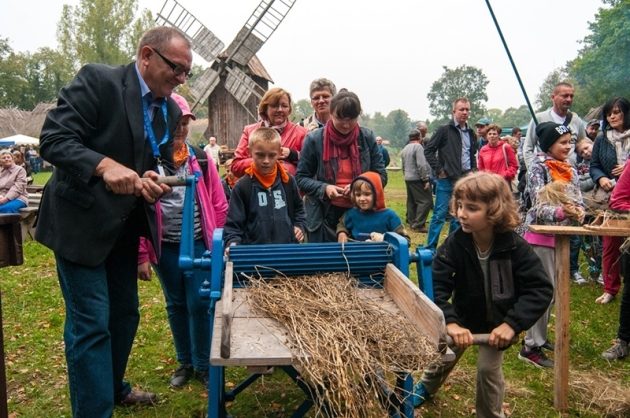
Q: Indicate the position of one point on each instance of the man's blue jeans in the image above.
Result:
(101, 322)
(443, 191)
(187, 312)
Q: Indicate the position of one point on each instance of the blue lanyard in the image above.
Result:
(149, 129)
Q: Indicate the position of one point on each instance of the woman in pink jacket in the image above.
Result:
(187, 312)
(274, 111)
(497, 156)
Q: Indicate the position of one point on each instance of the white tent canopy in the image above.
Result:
(18, 140)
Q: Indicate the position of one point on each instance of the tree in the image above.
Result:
(101, 31)
(301, 109)
(601, 70)
(463, 81)
(399, 124)
(13, 84)
(516, 117)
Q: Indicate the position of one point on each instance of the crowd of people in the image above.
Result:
(109, 220)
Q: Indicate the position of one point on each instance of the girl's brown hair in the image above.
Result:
(493, 190)
(272, 97)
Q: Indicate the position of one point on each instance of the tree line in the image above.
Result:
(107, 31)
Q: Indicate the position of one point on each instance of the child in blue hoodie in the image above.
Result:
(369, 218)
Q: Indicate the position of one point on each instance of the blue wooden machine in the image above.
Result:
(240, 338)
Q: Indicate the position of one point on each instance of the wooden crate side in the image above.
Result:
(415, 305)
(226, 311)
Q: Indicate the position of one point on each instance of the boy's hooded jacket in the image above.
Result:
(358, 224)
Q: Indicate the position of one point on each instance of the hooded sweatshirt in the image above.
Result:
(358, 224)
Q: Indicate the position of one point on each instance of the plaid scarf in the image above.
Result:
(337, 145)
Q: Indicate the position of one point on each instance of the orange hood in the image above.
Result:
(377, 188)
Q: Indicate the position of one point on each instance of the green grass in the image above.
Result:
(33, 314)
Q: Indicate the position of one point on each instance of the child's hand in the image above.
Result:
(342, 237)
(376, 237)
(573, 211)
(501, 336)
(462, 337)
(144, 271)
(617, 170)
(299, 234)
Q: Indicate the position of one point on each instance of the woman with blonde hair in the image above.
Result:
(274, 111)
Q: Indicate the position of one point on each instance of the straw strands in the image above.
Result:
(346, 346)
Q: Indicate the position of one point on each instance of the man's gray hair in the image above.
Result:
(321, 84)
(158, 37)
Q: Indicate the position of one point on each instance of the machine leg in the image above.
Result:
(216, 392)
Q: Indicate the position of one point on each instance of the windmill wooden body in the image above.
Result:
(236, 80)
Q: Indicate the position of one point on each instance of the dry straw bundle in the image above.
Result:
(346, 345)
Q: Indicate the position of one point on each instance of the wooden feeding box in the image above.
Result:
(242, 337)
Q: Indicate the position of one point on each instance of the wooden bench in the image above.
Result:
(28, 215)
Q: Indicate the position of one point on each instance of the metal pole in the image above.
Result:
(507, 50)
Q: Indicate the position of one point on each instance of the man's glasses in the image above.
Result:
(177, 69)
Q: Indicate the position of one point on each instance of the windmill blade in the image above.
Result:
(259, 27)
(203, 41)
(241, 86)
(204, 85)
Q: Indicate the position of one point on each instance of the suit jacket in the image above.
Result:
(99, 114)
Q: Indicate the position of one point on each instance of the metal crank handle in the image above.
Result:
(171, 180)
(168, 180)
(479, 339)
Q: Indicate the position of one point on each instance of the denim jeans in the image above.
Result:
(575, 243)
(101, 322)
(187, 312)
(443, 191)
(12, 206)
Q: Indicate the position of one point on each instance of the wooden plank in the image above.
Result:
(415, 305)
(226, 310)
(255, 342)
(561, 354)
(575, 230)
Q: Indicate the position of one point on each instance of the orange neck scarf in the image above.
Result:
(268, 179)
(560, 170)
(180, 154)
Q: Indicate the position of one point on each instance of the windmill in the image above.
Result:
(235, 80)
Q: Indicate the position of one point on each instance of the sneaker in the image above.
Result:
(181, 376)
(600, 279)
(605, 298)
(420, 395)
(577, 278)
(548, 345)
(618, 351)
(535, 357)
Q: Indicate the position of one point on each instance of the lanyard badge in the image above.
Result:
(148, 127)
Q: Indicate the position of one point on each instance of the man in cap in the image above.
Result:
(482, 129)
(592, 129)
(417, 172)
(383, 150)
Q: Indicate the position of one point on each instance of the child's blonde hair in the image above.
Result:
(268, 135)
(493, 190)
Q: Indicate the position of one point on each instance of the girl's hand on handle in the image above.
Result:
(501, 336)
(462, 337)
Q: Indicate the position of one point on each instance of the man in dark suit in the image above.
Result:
(106, 141)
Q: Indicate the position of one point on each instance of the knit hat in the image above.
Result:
(548, 133)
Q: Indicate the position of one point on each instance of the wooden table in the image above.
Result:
(561, 353)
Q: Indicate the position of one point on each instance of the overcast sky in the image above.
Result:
(388, 52)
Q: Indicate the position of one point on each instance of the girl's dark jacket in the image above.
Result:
(520, 288)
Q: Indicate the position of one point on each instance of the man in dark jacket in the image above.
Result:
(451, 154)
(102, 138)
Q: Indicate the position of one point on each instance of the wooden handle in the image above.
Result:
(172, 180)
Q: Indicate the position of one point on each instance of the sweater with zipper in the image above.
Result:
(519, 287)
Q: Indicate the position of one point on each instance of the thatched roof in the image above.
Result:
(15, 121)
